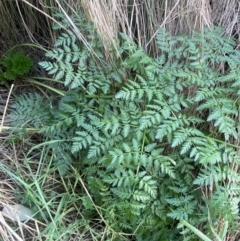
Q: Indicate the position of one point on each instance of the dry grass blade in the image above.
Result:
(5, 108)
(227, 14)
(102, 14)
(8, 229)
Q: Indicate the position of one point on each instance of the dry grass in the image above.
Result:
(32, 20)
(10, 231)
(21, 23)
(37, 185)
(138, 19)
(141, 19)
(33, 180)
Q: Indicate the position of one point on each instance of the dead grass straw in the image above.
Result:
(5, 109)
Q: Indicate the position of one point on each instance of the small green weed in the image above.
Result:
(14, 65)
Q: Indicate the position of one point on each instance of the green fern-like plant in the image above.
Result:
(148, 133)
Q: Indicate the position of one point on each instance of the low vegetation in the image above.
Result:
(117, 142)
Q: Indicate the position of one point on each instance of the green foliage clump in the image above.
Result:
(14, 64)
(147, 134)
